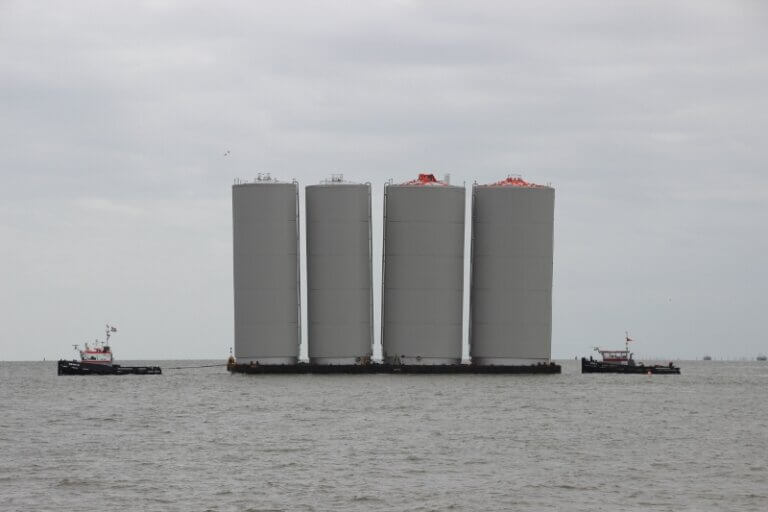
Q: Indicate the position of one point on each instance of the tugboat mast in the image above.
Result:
(627, 339)
(109, 329)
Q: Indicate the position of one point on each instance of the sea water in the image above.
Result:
(202, 439)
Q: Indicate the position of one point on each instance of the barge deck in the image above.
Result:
(306, 368)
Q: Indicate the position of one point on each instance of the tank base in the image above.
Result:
(305, 368)
(421, 361)
(267, 360)
(344, 361)
(506, 361)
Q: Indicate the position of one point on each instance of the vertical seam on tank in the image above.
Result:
(471, 269)
(298, 266)
(234, 278)
(370, 269)
(383, 271)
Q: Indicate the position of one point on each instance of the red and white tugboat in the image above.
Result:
(620, 361)
(96, 359)
(98, 355)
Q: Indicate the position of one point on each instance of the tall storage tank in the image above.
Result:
(266, 271)
(423, 272)
(339, 273)
(511, 290)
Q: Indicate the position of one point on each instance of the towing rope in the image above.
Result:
(190, 367)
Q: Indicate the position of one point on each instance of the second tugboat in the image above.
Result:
(620, 361)
(96, 359)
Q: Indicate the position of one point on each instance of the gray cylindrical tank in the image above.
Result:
(511, 276)
(423, 272)
(339, 274)
(266, 272)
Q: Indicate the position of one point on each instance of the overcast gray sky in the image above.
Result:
(649, 118)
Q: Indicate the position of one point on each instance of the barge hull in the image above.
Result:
(305, 368)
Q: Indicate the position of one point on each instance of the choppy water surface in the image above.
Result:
(206, 440)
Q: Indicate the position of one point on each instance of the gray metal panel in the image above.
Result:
(423, 274)
(265, 249)
(339, 273)
(418, 203)
(511, 292)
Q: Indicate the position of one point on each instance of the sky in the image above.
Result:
(649, 118)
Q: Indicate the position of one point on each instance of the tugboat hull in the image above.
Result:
(589, 366)
(80, 368)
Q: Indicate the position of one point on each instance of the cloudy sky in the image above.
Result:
(649, 118)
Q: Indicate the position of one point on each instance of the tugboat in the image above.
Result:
(621, 361)
(96, 359)
(762, 357)
(707, 358)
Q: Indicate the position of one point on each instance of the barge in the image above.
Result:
(96, 359)
(621, 361)
(372, 367)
